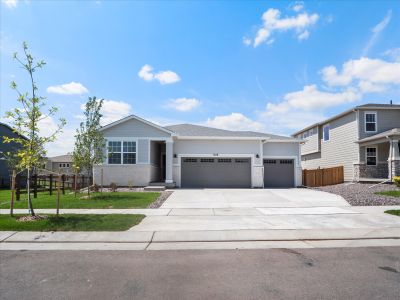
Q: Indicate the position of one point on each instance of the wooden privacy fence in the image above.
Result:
(322, 177)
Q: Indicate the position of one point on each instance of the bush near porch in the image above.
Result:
(98, 200)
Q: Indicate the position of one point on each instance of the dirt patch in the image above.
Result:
(32, 218)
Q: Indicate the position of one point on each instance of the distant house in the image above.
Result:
(60, 164)
(364, 140)
(5, 173)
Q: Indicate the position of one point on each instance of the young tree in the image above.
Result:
(89, 141)
(25, 122)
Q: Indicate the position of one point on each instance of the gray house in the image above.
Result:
(60, 164)
(364, 140)
(139, 152)
(6, 130)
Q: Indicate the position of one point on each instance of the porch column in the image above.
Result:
(394, 159)
(168, 161)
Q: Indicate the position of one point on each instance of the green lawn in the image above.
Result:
(395, 193)
(72, 223)
(98, 200)
(395, 212)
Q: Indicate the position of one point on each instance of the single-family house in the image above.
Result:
(364, 140)
(60, 164)
(139, 152)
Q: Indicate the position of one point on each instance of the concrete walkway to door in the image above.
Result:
(256, 209)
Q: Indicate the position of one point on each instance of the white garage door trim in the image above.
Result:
(251, 156)
(296, 161)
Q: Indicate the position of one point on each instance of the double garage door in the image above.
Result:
(233, 172)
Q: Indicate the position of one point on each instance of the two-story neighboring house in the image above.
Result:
(60, 164)
(364, 140)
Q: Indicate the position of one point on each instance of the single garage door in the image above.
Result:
(206, 172)
(278, 173)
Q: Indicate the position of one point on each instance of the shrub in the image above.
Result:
(396, 180)
(113, 187)
(95, 188)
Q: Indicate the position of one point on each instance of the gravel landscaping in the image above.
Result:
(360, 194)
(161, 199)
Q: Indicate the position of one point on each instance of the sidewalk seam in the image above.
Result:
(151, 241)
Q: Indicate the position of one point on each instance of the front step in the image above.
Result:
(154, 188)
(161, 183)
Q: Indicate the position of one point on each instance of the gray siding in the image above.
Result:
(143, 151)
(311, 143)
(340, 150)
(134, 128)
(6, 147)
(383, 152)
(386, 120)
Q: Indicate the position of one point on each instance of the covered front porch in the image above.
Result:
(161, 162)
(379, 157)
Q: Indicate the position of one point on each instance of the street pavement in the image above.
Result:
(336, 273)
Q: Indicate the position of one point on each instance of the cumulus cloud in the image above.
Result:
(376, 31)
(274, 22)
(298, 6)
(72, 88)
(235, 121)
(164, 77)
(114, 110)
(10, 3)
(183, 104)
(373, 71)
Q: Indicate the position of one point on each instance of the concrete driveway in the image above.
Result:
(256, 209)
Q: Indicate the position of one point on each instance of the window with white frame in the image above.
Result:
(370, 121)
(121, 152)
(326, 132)
(371, 154)
(129, 153)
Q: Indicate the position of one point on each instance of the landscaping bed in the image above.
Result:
(360, 194)
(71, 222)
(119, 200)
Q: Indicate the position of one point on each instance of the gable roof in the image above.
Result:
(61, 158)
(190, 130)
(359, 107)
(12, 130)
(133, 117)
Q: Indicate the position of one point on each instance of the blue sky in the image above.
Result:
(252, 65)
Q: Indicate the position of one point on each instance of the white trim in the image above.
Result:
(323, 132)
(122, 140)
(138, 119)
(376, 156)
(235, 138)
(365, 121)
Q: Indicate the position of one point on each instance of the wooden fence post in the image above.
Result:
(58, 194)
(51, 184)
(63, 183)
(12, 193)
(35, 186)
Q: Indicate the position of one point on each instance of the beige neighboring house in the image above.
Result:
(60, 164)
(364, 140)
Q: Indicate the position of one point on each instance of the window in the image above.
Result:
(129, 155)
(325, 132)
(224, 160)
(207, 160)
(192, 160)
(270, 161)
(241, 160)
(60, 165)
(370, 122)
(67, 165)
(114, 153)
(286, 162)
(121, 152)
(371, 156)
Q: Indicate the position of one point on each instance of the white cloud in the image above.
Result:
(72, 88)
(298, 6)
(10, 3)
(393, 53)
(114, 110)
(164, 77)
(376, 31)
(273, 22)
(183, 104)
(246, 41)
(235, 121)
(304, 35)
(374, 71)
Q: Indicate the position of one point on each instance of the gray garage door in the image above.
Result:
(278, 173)
(206, 172)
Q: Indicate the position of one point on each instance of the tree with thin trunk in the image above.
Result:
(25, 121)
(89, 140)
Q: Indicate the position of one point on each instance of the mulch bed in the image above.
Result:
(32, 218)
(362, 194)
(161, 199)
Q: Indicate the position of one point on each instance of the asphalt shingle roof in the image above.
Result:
(61, 158)
(204, 131)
